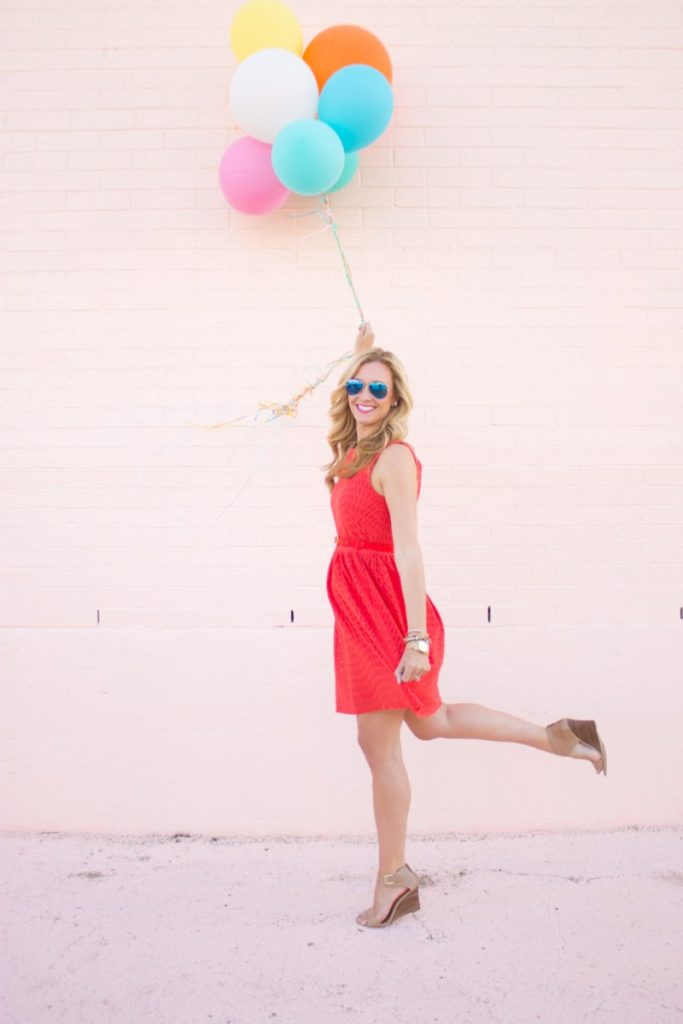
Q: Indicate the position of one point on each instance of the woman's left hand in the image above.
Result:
(365, 338)
(412, 666)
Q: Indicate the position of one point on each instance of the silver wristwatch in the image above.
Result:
(419, 645)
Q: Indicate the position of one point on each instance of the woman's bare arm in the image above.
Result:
(397, 476)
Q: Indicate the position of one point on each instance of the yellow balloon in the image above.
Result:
(260, 24)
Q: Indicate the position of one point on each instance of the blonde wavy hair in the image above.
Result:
(342, 434)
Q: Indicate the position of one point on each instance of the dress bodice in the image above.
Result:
(360, 513)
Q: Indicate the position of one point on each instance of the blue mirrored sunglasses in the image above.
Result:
(377, 388)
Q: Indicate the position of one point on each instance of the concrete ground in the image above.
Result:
(558, 927)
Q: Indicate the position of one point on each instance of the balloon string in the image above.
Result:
(326, 214)
(291, 407)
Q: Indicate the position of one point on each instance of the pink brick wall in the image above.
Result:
(515, 237)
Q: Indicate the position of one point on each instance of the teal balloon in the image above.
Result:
(357, 102)
(350, 168)
(307, 157)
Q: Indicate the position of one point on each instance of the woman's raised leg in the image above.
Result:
(477, 722)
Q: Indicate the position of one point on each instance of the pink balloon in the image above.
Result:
(247, 177)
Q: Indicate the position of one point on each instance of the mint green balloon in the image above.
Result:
(350, 168)
(308, 157)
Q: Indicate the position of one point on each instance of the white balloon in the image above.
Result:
(270, 89)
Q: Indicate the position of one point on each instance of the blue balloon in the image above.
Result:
(307, 157)
(357, 102)
(350, 168)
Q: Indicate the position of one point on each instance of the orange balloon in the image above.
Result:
(340, 45)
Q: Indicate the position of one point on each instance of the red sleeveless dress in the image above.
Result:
(364, 589)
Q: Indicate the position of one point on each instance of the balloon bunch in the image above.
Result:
(306, 112)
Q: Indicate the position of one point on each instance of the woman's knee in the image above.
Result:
(423, 728)
(378, 752)
(380, 740)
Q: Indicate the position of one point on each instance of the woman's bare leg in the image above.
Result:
(476, 722)
(379, 736)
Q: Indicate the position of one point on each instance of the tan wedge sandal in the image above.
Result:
(565, 735)
(406, 903)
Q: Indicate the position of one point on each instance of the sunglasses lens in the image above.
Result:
(377, 388)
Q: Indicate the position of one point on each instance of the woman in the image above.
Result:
(388, 635)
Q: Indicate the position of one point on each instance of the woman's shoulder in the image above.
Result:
(394, 454)
(400, 443)
(395, 460)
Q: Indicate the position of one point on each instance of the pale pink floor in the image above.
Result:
(554, 927)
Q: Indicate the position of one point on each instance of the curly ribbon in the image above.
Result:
(291, 408)
(325, 213)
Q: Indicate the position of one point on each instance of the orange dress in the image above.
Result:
(364, 589)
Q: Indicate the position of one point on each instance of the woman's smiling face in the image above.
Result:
(367, 410)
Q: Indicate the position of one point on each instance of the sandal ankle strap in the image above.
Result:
(402, 876)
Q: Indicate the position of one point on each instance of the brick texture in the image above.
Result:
(515, 237)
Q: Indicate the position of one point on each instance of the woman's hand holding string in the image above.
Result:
(365, 338)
